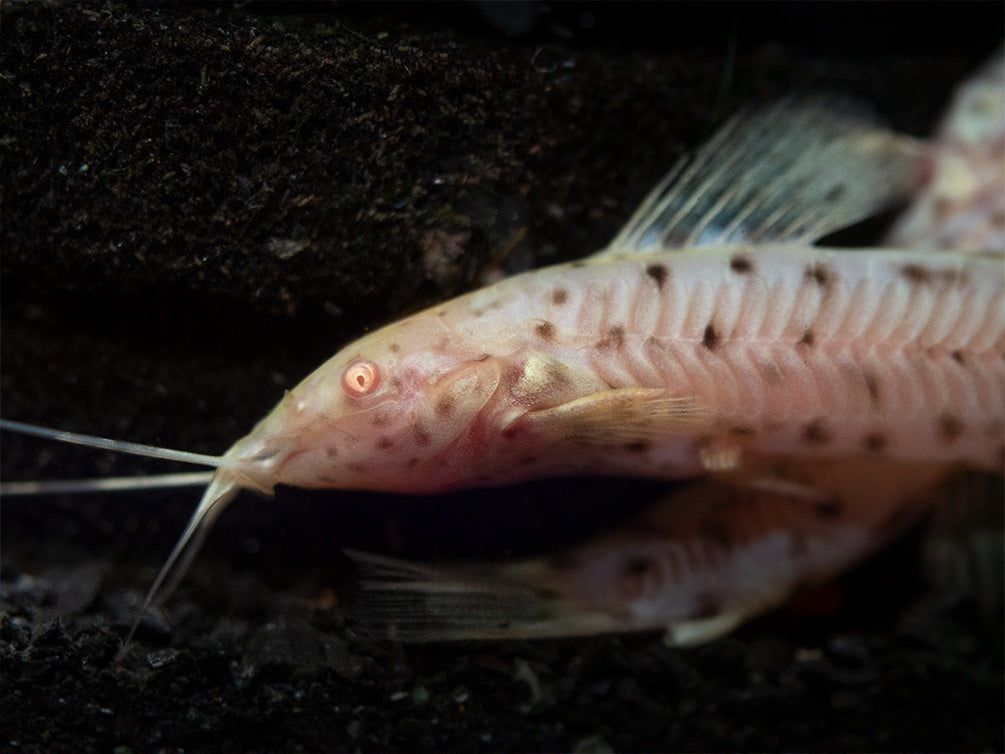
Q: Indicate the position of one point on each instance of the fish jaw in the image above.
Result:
(408, 430)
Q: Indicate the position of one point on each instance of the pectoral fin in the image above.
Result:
(622, 415)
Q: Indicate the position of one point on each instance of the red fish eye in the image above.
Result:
(361, 377)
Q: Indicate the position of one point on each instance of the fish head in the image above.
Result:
(392, 411)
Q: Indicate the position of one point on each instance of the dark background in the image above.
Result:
(266, 181)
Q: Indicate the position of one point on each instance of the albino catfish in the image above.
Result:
(710, 337)
(713, 552)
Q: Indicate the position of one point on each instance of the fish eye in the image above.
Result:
(361, 377)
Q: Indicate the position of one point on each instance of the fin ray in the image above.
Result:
(417, 603)
(621, 415)
(792, 172)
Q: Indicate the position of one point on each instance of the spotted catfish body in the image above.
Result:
(709, 334)
(683, 347)
(718, 550)
(670, 364)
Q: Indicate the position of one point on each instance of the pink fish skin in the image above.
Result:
(656, 365)
(719, 550)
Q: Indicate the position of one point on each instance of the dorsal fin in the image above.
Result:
(789, 173)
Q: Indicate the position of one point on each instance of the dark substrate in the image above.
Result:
(201, 203)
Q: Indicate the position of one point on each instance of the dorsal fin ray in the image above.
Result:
(789, 173)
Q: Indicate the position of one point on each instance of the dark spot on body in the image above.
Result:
(384, 443)
(659, 273)
(741, 430)
(835, 193)
(815, 433)
(915, 274)
(819, 274)
(422, 437)
(545, 330)
(639, 566)
(559, 296)
(394, 348)
(741, 264)
(808, 338)
(957, 356)
(413, 462)
(356, 466)
(830, 508)
(653, 342)
(950, 428)
(395, 383)
(872, 386)
(528, 461)
(484, 357)
(772, 373)
(640, 446)
(331, 451)
(615, 338)
(711, 337)
(874, 442)
(380, 420)
(445, 406)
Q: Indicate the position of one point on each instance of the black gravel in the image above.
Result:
(200, 203)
